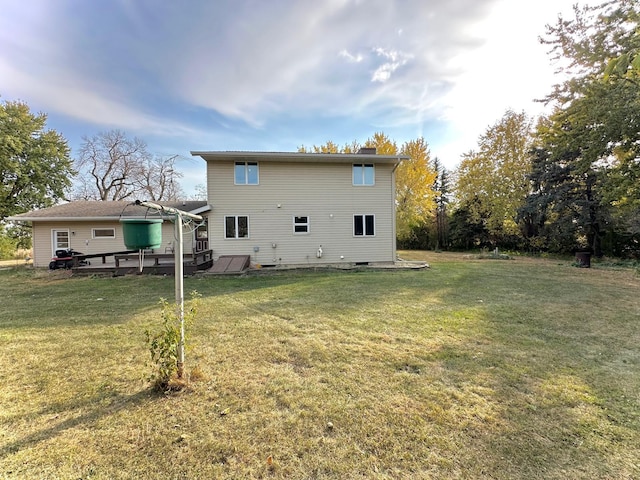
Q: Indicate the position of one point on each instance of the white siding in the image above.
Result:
(321, 191)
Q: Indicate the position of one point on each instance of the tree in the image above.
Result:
(159, 179)
(441, 189)
(588, 150)
(34, 162)
(114, 167)
(492, 183)
(200, 192)
(601, 41)
(466, 231)
(331, 147)
(415, 195)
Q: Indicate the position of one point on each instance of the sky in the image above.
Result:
(272, 75)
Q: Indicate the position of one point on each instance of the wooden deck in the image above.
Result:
(127, 263)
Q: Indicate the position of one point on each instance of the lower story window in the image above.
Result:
(364, 225)
(300, 224)
(236, 226)
(103, 233)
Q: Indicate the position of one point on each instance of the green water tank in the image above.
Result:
(142, 233)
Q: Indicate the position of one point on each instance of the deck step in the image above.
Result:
(231, 264)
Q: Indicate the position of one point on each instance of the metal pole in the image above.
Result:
(179, 269)
(169, 210)
(179, 273)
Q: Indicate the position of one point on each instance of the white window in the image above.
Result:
(364, 225)
(236, 226)
(103, 233)
(363, 174)
(60, 239)
(246, 173)
(300, 225)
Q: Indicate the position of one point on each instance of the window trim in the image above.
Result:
(103, 237)
(363, 175)
(306, 224)
(236, 228)
(364, 216)
(54, 239)
(246, 173)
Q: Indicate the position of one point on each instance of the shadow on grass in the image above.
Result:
(117, 403)
(48, 302)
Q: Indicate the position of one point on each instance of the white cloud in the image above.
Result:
(259, 68)
(398, 64)
(357, 58)
(396, 60)
(66, 95)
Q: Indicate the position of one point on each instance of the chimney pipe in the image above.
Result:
(367, 151)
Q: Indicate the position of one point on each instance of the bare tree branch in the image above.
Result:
(112, 166)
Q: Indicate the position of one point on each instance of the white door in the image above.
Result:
(59, 240)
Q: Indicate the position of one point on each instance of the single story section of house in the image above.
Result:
(286, 208)
(93, 227)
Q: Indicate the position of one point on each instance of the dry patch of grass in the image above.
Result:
(471, 369)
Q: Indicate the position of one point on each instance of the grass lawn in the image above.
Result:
(471, 369)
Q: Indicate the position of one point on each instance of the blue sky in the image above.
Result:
(274, 75)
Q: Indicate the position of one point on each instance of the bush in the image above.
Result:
(8, 247)
(163, 345)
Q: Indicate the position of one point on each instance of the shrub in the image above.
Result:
(7, 247)
(163, 345)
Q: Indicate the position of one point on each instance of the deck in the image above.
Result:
(127, 263)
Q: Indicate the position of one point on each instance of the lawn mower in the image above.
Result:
(64, 259)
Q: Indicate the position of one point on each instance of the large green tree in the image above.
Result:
(441, 188)
(492, 182)
(586, 161)
(34, 162)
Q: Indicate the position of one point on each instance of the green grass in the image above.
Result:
(471, 369)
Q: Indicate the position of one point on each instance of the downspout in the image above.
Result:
(393, 211)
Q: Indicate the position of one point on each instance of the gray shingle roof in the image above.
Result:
(91, 210)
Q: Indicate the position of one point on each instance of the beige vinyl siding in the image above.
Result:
(321, 191)
(80, 238)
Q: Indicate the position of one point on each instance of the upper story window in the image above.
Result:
(246, 173)
(103, 233)
(363, 174)
(300, 225)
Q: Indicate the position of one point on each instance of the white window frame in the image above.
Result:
(54, 239)
(364, 216)
(306, 224)
(246, 173)
(236, 217)
(103, 237)
(359, 179)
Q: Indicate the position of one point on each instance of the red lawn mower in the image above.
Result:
(64, 259)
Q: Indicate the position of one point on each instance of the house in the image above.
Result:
(302, 208)
(280, 209)
(93, 227)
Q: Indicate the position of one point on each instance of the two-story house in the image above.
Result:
(302, 208)
(280, 209)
